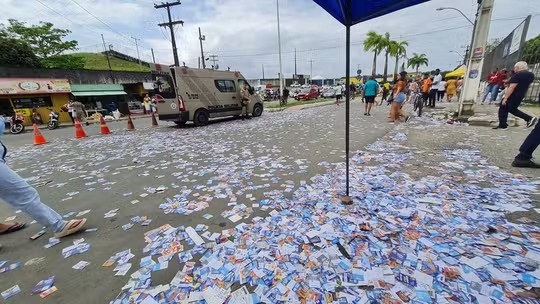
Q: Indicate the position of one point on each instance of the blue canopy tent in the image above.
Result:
(349, 13)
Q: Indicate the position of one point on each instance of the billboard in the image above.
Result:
(27, 86)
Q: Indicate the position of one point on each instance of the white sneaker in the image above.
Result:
(532, 122)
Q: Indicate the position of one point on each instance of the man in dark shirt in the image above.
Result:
(517, 88)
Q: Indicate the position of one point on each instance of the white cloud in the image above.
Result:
(243, 32)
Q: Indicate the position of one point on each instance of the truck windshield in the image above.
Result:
(163, 85)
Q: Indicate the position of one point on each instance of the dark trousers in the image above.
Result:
(425, 97)
(530, 144)
(432, 97)
(511, 107)
(440, 95)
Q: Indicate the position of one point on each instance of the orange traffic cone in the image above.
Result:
(130, 126)
(79, 132)
(38, 137)
(104, 128)
(154, 121)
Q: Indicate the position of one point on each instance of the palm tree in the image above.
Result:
(374, 42)
(398, 50)
(417, 60)
(387, 46)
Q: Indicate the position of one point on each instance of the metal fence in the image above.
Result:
(508, 52)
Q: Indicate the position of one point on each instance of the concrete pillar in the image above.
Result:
(476, 59)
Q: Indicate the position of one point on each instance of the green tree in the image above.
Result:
(386, 45)
(374, 42)
(398, 49)
(46, 41)
(14, 52)
(531, 51)
(417, 60)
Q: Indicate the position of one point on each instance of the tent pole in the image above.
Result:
(347, 199)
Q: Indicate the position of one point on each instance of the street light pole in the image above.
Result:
(455, 9)
(279, 47)
(469, 48)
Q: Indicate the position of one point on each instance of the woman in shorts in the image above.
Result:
(399, 98)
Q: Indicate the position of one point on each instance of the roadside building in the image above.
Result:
(22, 95)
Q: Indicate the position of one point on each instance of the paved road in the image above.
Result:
(225, 160)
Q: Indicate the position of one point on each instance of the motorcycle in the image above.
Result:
(53, 120)
(16, 124)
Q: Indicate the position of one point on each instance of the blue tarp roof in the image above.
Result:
(363, 10)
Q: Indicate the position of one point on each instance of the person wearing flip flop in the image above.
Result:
(20, 195)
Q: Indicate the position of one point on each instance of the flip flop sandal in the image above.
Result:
(14, 227)
(71, 227)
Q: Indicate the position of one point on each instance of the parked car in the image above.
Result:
(329, 93)
(306, 94)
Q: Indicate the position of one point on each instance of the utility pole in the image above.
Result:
(153, 58)
(279, 47)
(199, 62)
(137, 46)
(214, 60)
(201, 38)
(311, 71)
(108, 59)
(262, 70)
(295, 74)
(476, 58)
(171, 25)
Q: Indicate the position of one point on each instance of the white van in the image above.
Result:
(185, 94)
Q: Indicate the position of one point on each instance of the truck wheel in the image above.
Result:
(201, 117)
(257, 110)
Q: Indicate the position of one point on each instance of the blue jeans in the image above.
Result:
(493, 89)
(20, 195)
(530, 144)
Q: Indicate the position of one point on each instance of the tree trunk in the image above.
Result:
(386, 66)
(417, 67)
(374, 69)
(397, 64)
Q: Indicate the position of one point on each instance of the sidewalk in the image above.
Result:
(484, 115)
(68, 124)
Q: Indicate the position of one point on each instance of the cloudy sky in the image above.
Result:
(243, 33)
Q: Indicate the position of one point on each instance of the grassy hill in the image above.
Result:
(96, 61)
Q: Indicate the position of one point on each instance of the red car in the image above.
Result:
(307, 94)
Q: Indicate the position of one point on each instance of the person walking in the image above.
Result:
(492, 86)
(370, 92)
(79, 111)
(339, 92)
(245, 99)
(524, 158)
(434, 88)
(285, 96)
(385, 92)
(426, 87)
(441, 90)
(514, 94)
(399, 98)
(502, 79)
(147, 107)
(15, 191)
(451, 89)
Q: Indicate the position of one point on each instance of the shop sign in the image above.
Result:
(21, 86)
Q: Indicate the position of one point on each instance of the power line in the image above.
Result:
(101, 21)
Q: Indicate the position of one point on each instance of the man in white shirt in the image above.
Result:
(339, 92)
(434, 88)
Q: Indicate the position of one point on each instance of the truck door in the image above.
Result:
(227, 96)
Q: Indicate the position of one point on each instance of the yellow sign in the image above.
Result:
(19, 86)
